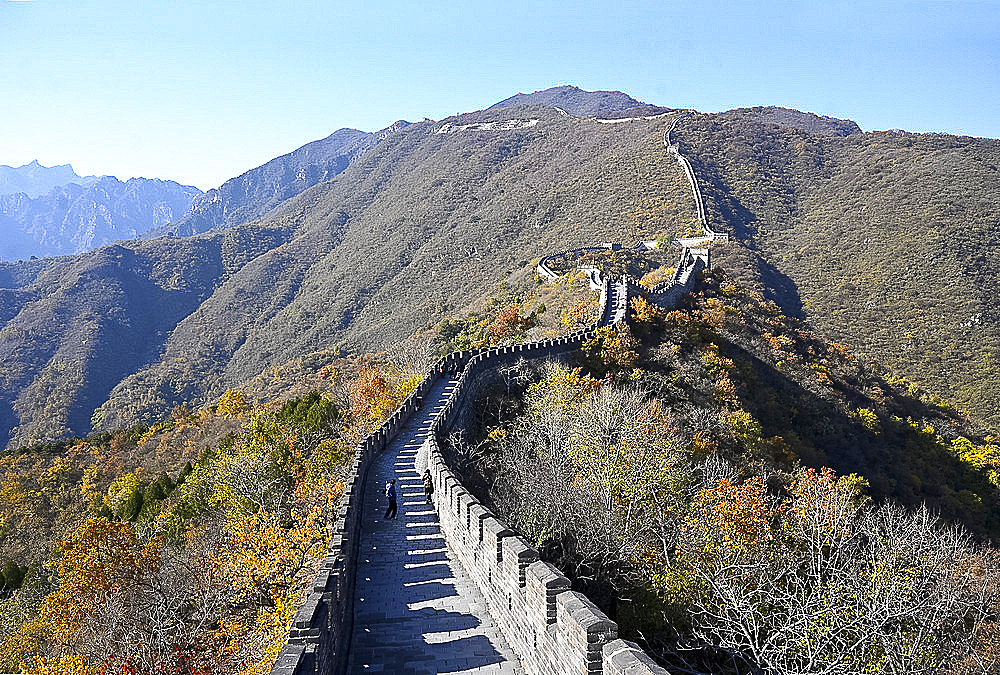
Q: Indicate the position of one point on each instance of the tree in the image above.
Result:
(823, 581)
(233, 403)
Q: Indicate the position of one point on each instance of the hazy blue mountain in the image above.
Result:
(254, 193)
(36, 180)
(73, 218)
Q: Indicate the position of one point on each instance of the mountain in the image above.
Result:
(254, 193)
(820, 125)
(73, 218)
(581, 103)
(422, 223)
(36, 180)
(883, 241)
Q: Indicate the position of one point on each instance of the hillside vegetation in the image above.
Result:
(257, 191)
(881, 240)
(421, 225)
(681, 474)
(886, 241)
(184, 546)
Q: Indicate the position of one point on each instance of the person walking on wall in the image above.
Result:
(390, 492)
(428, 485)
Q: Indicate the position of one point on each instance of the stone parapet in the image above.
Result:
(552, 629)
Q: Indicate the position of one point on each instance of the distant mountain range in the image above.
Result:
(36, 180)
(50, 211)
(254, 193)
(74, 217)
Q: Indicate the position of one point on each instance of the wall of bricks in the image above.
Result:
(551, 628)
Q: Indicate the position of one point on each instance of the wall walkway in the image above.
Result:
(451, 588)
(416, 610)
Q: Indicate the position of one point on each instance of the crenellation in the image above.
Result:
(494, 532)
(518, 555)
(621, 657)
(553, 629)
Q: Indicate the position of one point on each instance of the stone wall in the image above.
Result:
(673, 148)
(551, 628)
(546, 272)
(319, 636)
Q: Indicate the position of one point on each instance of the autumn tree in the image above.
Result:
(824, 581)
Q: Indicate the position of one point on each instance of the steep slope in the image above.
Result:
(884, 241)
(74, 327)
(855, 233)
(73, 218)
(36, 180)
(424, 223)
(254, 193)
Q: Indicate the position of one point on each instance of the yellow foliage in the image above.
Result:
(612, 347)
(731, 517)
(95, 558)
(121, 489)
(562, 389)
(869, 418)
(233, 404)
(377, 392)
(65, 664)
(657, 276)
(645, 313)
(262, 557)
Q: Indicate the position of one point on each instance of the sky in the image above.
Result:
(201, 91)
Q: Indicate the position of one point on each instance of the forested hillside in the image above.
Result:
(423, 224)
(726, 485)
(184, 546)
(881, 240)
(257, 191)
(885, 240)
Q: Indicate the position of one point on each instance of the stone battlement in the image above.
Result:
(552, 629)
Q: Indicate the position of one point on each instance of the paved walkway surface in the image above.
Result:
(415, 609)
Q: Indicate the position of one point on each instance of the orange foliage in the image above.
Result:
(507, 323)
(371, 396)
(96, 558)
(733, 517)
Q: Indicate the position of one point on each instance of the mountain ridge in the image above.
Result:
(415, 227)
(256, 191)
(36, 180)
(73, 218)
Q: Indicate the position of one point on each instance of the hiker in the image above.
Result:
(428, 485)
(390, 492)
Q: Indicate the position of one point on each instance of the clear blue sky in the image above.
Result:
(201, 91)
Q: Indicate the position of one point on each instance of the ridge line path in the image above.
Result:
(416, 611)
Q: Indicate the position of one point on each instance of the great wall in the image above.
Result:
(453, 588)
